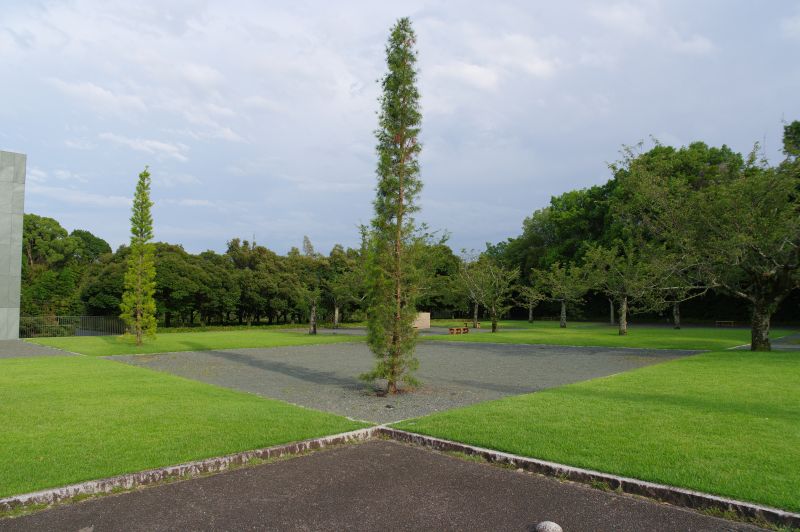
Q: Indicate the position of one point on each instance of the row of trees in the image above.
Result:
(247, 284)
(671, 225)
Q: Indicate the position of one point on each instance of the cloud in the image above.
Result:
(269, 126)
(694, 45)
(201, 75)
(38, 175)
(477, 76)
(77, 197)
(521, 52)
(155, 147)
(624, 17)
(647, 22)
(98, 97)
(790, 27)
(176, 180)
(79, 144)
(189, 202)
(263, 104)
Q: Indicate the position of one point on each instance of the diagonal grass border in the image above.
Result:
(681, 497)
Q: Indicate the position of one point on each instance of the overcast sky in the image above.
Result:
(258, 119)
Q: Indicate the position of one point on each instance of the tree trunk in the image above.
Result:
(312, 319)
(494, 321)
(563, 323)
(759, 333)
(336, 316)
(530, 313)
(613, 317)
(167, 319)
(475, 316)
(676, 315)
(623, 316)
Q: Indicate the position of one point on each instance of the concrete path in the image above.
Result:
(787, 343)
(325, 377)
(20, 349)
(378, 485)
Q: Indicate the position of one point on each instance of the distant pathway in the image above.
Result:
(20, 349)
(787, 343)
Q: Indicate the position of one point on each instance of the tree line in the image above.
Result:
(695, 226)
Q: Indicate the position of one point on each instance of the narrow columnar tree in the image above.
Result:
(138, 305)
(392, 276)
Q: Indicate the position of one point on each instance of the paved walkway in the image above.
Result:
(325, 377)
(18, 349)
(377, 485)
(787, 343)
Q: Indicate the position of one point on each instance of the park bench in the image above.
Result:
(459, 330)
(477, 326)
(725, 323)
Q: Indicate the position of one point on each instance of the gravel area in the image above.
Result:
(378, 485)
(20, 349)
(787, 343)
(325, 377)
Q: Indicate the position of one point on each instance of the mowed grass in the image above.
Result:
(726, 423)
(604, 335)
(70, 419)
(187, 341)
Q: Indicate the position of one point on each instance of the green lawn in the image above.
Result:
(187, 341)
(726, 423)
(604, 335)
(69, 419)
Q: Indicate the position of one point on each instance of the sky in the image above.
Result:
(257, 118)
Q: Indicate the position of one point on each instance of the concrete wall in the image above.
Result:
(12, 197)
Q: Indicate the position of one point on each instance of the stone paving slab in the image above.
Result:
(379, 485)
(20, 349)
(325, 377)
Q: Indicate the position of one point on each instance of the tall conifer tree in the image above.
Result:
(138, 304)
(392, 276)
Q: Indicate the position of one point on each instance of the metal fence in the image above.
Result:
(39, 326)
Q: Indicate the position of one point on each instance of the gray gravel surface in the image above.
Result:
(325, 377)
(20, 349)
(378, 485)
(787, 343)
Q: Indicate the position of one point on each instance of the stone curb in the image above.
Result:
(676, 496)
(190, 469)
(669, 494)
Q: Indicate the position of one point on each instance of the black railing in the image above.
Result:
(43, 326)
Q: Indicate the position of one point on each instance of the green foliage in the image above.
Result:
(138, 304)
(441, 288)
(53, 266)
(89, 248)
(791, 139)
(741, 228)
(564, 284)
(392, 274)
(489, 284)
